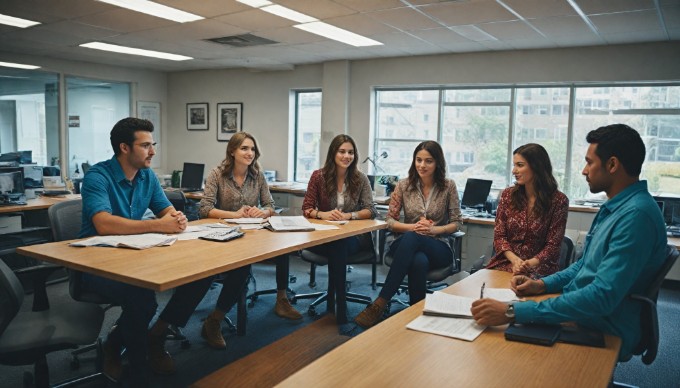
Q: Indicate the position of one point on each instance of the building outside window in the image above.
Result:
(307, 133)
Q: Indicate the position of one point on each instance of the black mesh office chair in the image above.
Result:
(566, 259)
(26, 337)
(436, 276)
(177, 199)
(364, 256)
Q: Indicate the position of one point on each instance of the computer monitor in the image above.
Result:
(476, 192)
(670, 208)
(11, 183)
(192, 176)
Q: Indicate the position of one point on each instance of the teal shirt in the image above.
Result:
(624, 248)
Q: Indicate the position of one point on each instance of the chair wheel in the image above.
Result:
(311, 311)
(312, 284)
(292, 279)
(251, 304)
(185, 344)
(28, 379)
(75, 363)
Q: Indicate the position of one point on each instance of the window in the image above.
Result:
(307, 133)
(29, 116)
(475, 126)
(93, 107)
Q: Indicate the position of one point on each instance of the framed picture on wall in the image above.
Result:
(197, 116)
(229, 119)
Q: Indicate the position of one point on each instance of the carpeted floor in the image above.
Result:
(265, 327)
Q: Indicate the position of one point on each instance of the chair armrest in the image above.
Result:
(38, 275)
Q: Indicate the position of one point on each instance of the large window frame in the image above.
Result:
(563, 117)
(304, 121)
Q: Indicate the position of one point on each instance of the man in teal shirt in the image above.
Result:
(624, 248)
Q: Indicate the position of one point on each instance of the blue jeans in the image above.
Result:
(337, 252)
(233, 284)
(139, 306)
(414, 255)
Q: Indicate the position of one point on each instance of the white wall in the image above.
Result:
(266, 104)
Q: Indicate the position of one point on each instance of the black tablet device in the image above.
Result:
(533, 333)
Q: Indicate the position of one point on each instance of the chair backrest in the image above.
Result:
(649, 320)
(66, 219)
(439, 274)
(566, 253)
(11, 295)
(177, 199)
(86, 167)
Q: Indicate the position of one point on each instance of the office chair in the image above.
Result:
(365, 256)
(177, 199)
(26, 337)
(436, 276)
(86, 167)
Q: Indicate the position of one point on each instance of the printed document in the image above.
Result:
(134, 241)
(461, 328)
(290, 223)
(252, 220)
(500, 294)
(447, 305)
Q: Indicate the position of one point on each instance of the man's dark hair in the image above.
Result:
(124, 131)
(621, 141)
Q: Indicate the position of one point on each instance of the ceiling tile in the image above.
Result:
(472, 12)
(290, 35)
(124, 20)
(540, 8)
(207, 9)
(591, 7)
(199, 30)
(361, 24)
(522, 44)
(634, 36)
(404, 19)
(626, 21)
(372, 5)
(53, 9)
(440, 36)
(509, 30)
(563, 27)
(320, 9)
(255, 20)
(81, 30)
(671, 16)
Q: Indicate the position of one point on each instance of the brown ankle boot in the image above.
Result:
(112, 366)
(370, 316)
(160, 361)
(212, 331)
(284, 309)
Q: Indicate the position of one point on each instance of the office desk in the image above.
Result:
(38, 203)
(391, 355)
(163, 268)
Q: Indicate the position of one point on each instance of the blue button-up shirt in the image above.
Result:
(625, 247)
(105, 189)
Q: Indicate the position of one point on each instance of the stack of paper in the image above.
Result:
(134, 241)
(447, 315)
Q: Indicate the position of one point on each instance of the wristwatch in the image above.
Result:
(510, 312)
(355, 215)
(317, 215)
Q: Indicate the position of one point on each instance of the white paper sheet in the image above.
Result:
(440, 303)
(460, 328)
(134, 241)
(500, 294)
(244, 220)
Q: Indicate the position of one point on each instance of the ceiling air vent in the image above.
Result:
(245, 40)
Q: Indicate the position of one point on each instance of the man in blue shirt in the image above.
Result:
(624, 249)
(116, 193)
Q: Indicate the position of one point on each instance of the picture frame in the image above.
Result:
(197, 116)
(229, 119)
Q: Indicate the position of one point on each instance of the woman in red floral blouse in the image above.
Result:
(531, 217)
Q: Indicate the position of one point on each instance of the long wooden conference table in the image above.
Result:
(391, 355)
(164, 268)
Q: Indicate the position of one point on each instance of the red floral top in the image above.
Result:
(528, 236)
(316, 197)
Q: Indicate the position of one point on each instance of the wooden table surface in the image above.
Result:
(163, 268)
(38, 203)
(391, 355)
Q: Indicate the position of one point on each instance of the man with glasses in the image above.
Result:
(116, 194)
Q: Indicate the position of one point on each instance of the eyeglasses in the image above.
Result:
(146, 146)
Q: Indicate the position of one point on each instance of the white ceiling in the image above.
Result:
(405, 27)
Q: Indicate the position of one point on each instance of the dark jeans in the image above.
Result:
(233, 284)
(337, 252)
(414, 254)
(282, 271)
(139, 306)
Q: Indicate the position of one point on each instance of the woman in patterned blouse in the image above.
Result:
(339, 191)
(236, 189)
(421, 242)
(531, 217)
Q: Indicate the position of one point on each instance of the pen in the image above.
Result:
(481, 291)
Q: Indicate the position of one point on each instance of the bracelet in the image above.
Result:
(317, 215)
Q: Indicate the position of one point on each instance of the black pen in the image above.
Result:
(481, 291)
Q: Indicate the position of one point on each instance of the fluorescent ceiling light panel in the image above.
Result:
(336, 33)
(255, 3)
(134, 51)
(19, 65)
(155, 9)
(16, 22)
(289, 14)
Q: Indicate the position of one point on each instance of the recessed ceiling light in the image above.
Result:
(336, 33)
(16, 22)
(19, 65)
(255, 3)
(288, 14)
(134, 51)
(155, 9)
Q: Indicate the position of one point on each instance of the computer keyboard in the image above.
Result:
(54, 193)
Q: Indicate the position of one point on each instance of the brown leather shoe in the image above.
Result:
(112, 366)
(212, 332)
(370, 316)
(284, 309)
(160, 361)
